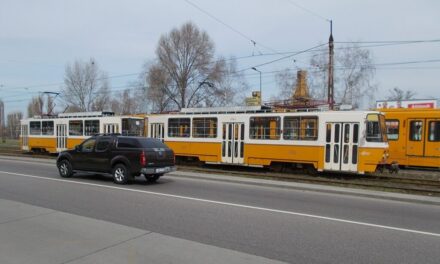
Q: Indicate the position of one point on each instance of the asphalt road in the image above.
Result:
(277, 223)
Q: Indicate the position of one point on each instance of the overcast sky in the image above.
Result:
(38, 38)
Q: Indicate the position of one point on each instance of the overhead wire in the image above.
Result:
(308, 11)
(229, 26)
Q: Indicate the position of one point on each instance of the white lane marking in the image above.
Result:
(230, 204)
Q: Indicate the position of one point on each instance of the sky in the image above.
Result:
(39, 38)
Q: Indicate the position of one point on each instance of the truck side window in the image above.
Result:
(88, 145)
(103, 144)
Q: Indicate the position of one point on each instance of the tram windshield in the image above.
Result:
(132, 127)
(376, 129)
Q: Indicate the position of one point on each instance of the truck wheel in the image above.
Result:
(152, 178)
(120, 174)
(65, 168)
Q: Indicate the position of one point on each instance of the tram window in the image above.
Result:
(337, 132)
(328, 133)
(224, 131)
(242, 132)
(376, 129)
(327, 153)
(300, 128)
(392, 129)
(354, 155)
(265, 128)
(179, 127)
(346, 133)
(434, 131)
(291, 128)
(75, 128)
(91, 127)
(355, 133)
(35, 128)
(345, 154)
(309, 129)
(205, 127)
(336, 154)
(415, 130)
(132, 127)
(47, 128)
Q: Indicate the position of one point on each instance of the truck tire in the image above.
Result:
(65, 168)
(121, 175)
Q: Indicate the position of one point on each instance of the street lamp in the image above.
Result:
(261, 96)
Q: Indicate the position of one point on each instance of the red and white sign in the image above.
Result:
(429, 103)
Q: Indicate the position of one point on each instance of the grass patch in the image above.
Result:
(10, 144)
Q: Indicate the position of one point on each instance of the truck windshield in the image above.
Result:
(376, 129)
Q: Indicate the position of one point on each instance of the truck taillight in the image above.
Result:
(143, 159)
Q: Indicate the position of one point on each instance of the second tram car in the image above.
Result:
(414, 136)
(343, 141)
(55, 134)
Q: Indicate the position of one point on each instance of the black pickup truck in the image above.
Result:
(123, 156)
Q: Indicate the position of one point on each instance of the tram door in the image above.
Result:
(432, 145)
(111, 128)
(233, 143)
(61, 137)
(341, 148)
(25, 137)
(157, 131)
(423, 137)
(415, 139)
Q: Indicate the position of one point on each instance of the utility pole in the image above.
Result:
(330, 95)
(2, 121)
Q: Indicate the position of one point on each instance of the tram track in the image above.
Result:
(412, 182)
(381, 182)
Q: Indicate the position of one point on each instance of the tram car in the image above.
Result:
(342, 141)
(414, 136)
(57, 133)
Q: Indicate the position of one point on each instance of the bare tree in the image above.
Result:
(13, 127)
(397, 94)
(354, 74)
(86, 87)
(186, 69)
(356, 70)
(159, 83)
(35, 106)
(128, 101)
(229, 88)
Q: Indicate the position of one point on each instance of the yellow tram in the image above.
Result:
(345, 141)
(64, 131)
(414, 136)
(342, 141)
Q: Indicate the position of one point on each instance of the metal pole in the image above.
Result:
(330, 95)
